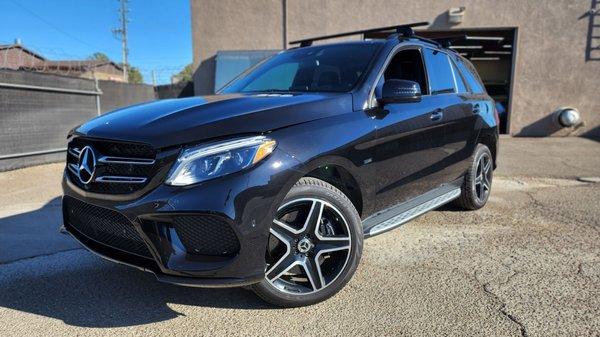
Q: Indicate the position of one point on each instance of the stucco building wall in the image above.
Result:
(553, 67)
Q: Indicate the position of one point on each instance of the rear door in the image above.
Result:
(455, 143)
(462, 135)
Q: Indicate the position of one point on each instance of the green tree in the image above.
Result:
(185, 75)
(134, 74)
(98, 56)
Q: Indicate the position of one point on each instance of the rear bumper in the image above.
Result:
(246, 202)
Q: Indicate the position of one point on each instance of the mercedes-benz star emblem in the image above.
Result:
(304, 245)
(86, 165)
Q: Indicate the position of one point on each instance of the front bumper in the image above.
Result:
(245, 201)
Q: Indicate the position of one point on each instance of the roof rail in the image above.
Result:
(404, 31)
(447, 40)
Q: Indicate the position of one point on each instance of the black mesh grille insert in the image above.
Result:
(206, 235)
(105, 226)
(116, 148)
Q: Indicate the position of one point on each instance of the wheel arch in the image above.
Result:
(340, 173)
(490, 139)
(341, 179)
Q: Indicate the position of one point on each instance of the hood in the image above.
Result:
(171, 122)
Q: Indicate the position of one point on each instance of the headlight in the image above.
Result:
(200, 163)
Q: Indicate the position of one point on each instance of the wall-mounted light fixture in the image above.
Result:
(456, 14)
(568, 117)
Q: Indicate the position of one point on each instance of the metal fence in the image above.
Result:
(37, 110)
(176, 90)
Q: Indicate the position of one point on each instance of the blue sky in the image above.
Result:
(159, 31)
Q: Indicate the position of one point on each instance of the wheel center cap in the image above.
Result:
(304, 245)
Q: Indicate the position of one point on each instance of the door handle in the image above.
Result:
(436, 115)
(476, 108)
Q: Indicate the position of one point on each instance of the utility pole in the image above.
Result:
(121, 34)
(285, 23)
(153, 77)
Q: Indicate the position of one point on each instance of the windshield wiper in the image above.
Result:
(269, 91)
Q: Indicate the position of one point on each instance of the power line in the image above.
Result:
(53, 25)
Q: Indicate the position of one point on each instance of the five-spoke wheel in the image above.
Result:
(478, 180)
(314, 245)
(483, 179)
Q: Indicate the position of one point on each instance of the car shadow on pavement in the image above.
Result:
(449, 207)
(83, 290)
(47, 273)
(27, 232)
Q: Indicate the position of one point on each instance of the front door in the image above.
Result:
(408, 135)
(407, 151)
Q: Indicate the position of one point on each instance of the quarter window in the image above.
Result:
(441, 78)
(468, 71)
(460, 83)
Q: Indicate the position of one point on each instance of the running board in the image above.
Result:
(398, 215)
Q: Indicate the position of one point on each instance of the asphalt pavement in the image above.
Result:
(528, 264)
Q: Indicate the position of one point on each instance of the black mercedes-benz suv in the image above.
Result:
(275, 182)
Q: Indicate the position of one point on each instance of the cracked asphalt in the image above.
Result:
(528, 264)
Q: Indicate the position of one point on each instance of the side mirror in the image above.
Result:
(400, 91)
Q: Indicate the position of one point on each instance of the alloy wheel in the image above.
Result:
(309, 246)
(483, 178)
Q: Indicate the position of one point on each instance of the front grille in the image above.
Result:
(105, 226)
(206, 235)
(121, 167)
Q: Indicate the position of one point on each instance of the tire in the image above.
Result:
(477, 185)
(325, 240)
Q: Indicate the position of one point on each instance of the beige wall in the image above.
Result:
(231, 25)
(101, 75)
(551, 68)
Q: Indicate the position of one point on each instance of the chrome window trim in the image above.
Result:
(453, 74)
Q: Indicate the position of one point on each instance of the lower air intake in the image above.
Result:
(105, 226)
(206, 235)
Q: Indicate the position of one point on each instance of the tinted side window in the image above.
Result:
(441, 78)
(460, 83)
(468, 71)
(407, 65)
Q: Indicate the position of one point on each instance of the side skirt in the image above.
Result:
(400, 214)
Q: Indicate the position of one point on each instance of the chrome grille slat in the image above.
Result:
(73, 168)
(121, 180)
(125, 160)
(74, 152)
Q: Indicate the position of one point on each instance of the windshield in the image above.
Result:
(332, 68)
